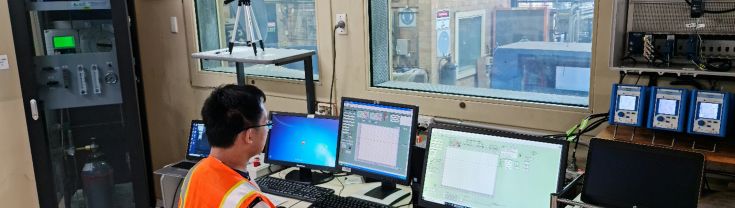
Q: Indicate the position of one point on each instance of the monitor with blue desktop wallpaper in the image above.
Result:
(198, 143)
(297, 139)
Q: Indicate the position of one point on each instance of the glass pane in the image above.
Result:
(531, 51)
(79, 88)
(283, 24)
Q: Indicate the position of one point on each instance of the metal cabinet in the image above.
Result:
(78, 77)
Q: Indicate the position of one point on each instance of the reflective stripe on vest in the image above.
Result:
(242, 193)
(184, 190)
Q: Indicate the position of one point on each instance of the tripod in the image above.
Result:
(252, 31)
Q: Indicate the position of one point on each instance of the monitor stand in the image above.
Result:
(386, 193)
(304, 175)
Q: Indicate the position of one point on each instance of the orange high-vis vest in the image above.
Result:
(211, 183)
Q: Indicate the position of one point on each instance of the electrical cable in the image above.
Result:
(332, 88)
(341, 189)
(334, 74)
(177, 190)
(622, 77)
(713, 12)
(294, 204)
(409, 203)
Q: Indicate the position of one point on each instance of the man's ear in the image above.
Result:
(247, 136)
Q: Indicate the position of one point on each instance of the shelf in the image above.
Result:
(722, 159)
(677, 72)
(69, 5)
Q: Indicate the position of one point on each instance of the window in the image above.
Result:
(522, 50)
(283, 24)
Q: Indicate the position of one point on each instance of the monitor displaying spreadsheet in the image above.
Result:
(467, 167)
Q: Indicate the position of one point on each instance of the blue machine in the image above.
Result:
(708, 113)
(667, 109)
(627, 105)
(547, 67)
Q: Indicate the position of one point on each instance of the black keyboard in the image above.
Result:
(334, 201)
(184, 165)
(292, 189)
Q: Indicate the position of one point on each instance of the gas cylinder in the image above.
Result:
(97, 179)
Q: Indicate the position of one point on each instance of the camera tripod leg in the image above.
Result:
(249, 22)
(257, 29)
(233, 35)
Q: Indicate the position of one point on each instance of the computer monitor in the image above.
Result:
(621, 174)
(198, 147)
(474, 167)
(375, 142)
(304, 141)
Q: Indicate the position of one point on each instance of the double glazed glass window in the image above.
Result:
(520, 50)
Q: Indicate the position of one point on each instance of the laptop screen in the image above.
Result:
(621, 174)
(198, 143)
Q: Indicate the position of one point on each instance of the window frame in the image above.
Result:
(498, 111)
(356, 83)
(373, 86)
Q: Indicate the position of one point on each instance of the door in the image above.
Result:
(80, 89)
(469, 42)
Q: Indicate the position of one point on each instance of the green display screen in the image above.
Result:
(64, 42)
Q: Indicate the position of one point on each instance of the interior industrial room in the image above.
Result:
(367, 103)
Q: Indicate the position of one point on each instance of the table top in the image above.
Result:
(244, 54)
(343, 186)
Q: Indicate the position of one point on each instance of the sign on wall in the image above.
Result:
(407, 17)
(443, 35)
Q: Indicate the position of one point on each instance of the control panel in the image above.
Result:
(627, 105)
(78, 80)
(667, 109)
(709, 113)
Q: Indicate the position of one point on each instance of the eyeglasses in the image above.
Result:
(268, 125)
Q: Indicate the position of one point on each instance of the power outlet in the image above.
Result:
(341, 17)
(324, 109)
(425, 121)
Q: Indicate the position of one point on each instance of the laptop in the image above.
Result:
(197, 148)
(621, 174)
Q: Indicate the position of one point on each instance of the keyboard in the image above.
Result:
(184, 165)
(334, 201)
(292, 189)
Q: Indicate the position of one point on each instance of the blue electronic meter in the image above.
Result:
(667, 110)
(627, 105)
(708, 113)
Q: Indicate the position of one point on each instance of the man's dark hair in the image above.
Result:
(228, 110)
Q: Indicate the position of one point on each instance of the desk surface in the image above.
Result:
(349, 189)
(723, 159)
(243, 54)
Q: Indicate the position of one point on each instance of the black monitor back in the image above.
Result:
(621, 174)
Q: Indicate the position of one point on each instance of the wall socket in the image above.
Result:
(324, 109)
(341, 17)
(425, 121)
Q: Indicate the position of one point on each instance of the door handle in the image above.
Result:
(34, 109)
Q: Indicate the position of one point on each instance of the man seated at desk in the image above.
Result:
(237, 127)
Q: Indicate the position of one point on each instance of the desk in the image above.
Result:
(242, 55)
(171, 178)
(349, 189)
